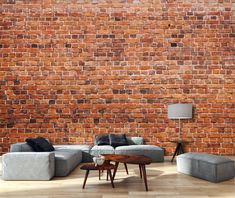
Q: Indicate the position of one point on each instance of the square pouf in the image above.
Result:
(206, 166)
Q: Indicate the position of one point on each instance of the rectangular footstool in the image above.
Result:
(206, 166)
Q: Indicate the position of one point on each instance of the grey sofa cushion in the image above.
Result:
(154, 152)
(28, 166)
(86, 157)
(66, 160)
(213, 168)
(20, 147)
(104, 149)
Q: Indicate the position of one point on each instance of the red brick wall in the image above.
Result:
(71, 69)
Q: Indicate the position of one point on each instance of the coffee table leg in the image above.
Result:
(140, 171)
(99, 174)
(145, 176)
(115, 169)
(111, 177)
(84, 183)
(126, 168)
(107, 177)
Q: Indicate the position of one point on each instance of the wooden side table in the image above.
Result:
(179, 148)
(91, 166)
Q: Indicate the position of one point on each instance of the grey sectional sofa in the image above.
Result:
(22, 163)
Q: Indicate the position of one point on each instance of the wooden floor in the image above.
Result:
(163, 181)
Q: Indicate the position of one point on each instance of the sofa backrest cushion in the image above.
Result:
(20, 147)
(135, 140)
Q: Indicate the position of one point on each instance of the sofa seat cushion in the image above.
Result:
(66, 160)
(206, 166)
(86, 157)
(154, 152)
(104, 149)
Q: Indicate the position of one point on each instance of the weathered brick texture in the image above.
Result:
(70, 69)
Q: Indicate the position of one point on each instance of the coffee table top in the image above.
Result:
(128, 159)
(115, 157)
(92, 166)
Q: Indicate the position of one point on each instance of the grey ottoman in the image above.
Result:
(206, 166)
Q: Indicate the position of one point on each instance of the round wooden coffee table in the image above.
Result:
(91, 166)
(140, 160)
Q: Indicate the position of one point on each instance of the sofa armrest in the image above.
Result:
(28, 166)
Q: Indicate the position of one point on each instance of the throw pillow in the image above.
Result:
(117, 140)
(32, 143)
(102, 139)
(40, 144)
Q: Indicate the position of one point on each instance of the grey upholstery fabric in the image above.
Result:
(104, 149)
(66, 160)
(20, 147)
(154, 152)
(135, 140)
(28, 166)
(206, 166)
(86, 157)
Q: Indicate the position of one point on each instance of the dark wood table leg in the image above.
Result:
(140, 171)
(107, 176)
(177, 150)
(86, 176)
(145, 176)
(126, 169)
(99, 174)
(115, 170)
(111, 177)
